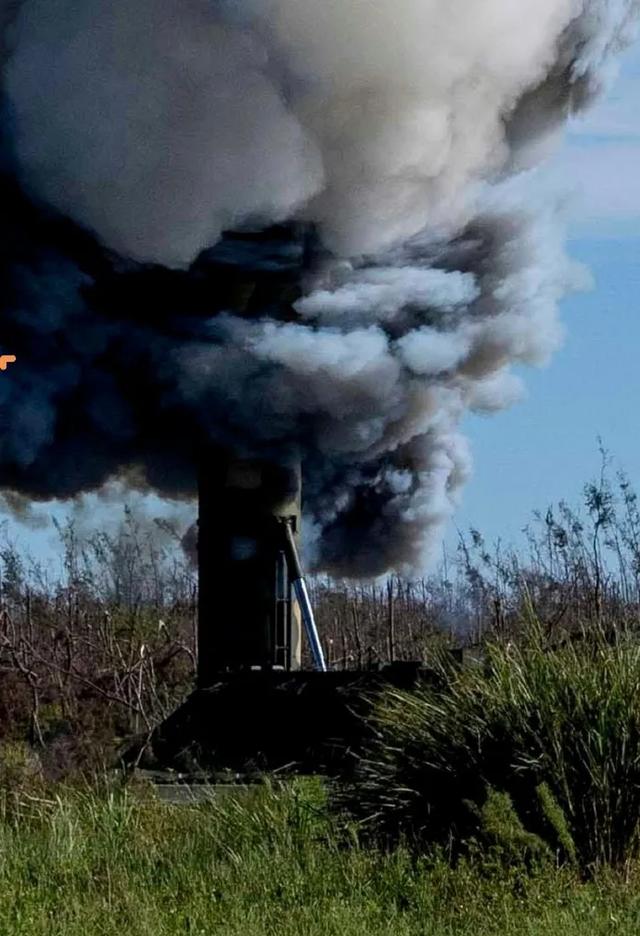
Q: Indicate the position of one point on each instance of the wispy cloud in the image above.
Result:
(599, 165)
(618, 117)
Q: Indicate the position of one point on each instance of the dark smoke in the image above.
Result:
(379, 281)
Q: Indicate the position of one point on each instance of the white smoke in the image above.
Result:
(407, 101)
(154, 124)
(392, 127)
(158, 124)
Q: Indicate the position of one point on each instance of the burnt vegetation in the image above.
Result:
(104, 647)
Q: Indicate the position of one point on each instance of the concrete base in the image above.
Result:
(256, 722)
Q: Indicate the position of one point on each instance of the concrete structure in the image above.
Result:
(247, 618)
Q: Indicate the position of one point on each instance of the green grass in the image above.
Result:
(268, 862)
(548, 738)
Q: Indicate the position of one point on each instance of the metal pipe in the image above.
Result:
(302, 596)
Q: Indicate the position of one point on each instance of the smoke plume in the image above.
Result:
(382, 280)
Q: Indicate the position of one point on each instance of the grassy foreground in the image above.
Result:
(265, 863)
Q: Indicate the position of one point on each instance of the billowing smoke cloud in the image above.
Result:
(383, 132)
(159, 125)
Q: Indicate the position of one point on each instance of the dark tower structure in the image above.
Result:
(247, 617)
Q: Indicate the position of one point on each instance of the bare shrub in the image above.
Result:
(104, 650)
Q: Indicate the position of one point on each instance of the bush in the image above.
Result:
(20, 768)
(555, 728)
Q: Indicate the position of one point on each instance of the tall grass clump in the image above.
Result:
(549, 736)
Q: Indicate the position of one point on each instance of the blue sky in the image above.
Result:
(545, 448)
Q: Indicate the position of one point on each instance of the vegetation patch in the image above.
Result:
(270, 862)
(534, 750)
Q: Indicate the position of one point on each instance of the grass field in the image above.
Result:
(268, 862)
